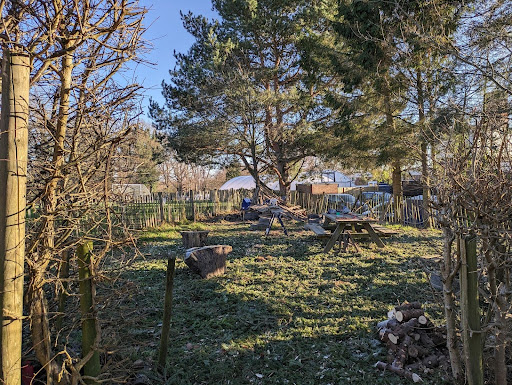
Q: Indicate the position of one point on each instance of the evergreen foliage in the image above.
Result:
(253, 85)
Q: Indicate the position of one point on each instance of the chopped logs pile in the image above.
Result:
(414, 344)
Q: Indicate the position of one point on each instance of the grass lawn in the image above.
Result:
(284, 312)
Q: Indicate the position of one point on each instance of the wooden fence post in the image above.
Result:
(470, 311)
(192, 204)
(213, 194)
(93, 367)
(161, 202)
(166, 324)
(13, 177)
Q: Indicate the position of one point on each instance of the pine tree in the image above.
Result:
(245, 89)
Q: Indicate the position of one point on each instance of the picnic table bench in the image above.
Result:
(384, 231)
(348, 226)
(317, 229)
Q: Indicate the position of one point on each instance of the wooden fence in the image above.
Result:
(157, 208)
(408, 211)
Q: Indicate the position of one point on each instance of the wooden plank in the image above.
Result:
(317, 229)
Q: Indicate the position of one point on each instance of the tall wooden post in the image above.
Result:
(166, 324)
(470, 311)
(161, 203)
(193, 205)
(212, 202)
(13, 176)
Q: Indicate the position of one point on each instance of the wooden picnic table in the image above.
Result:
(355, 223)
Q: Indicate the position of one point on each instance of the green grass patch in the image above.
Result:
(284, 312)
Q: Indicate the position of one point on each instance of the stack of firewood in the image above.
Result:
(414, 344)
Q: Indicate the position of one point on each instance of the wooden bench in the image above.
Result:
(384, 231)
(317, 229)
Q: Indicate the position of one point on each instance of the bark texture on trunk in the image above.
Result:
(92, 367)
(470, 312)
(448, 273)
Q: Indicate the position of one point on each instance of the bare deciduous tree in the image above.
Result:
(80, 114)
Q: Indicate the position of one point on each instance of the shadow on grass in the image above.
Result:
(283, 313)
(232, 334)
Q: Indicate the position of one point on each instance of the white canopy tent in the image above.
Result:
(239, 182)
(327, 176)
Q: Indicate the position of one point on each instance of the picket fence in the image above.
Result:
(407, 211)
(158, 208)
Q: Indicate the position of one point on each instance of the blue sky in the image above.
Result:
(166, 33)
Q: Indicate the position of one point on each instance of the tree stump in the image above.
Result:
(194, 238)
(208, 261)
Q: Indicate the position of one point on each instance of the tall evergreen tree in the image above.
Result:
(369, 29)
(244, 88)
(398, 73)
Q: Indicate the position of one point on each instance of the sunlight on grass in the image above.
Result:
(283, 310)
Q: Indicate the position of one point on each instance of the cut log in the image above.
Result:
(416, 351)
(426, 341)
(423, 320)
(194, 238)
(388, 324)
(382, 324)
(400, 371)
(408, 306)
(406, 315)
(416, 366)
(438, 339)
(387, 335)
(208, 261)
(392, 338)
(406, 328)
(402, 354)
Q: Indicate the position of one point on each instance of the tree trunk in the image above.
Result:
(448, 273)
(395, 163)
(194, 238)
(90, 353)
(397, 190)
(425, 182)
(38, 307)
(284, 187)
(423, 148)
(63, 289)
(166, 324)
(13, 175)
(208, 261)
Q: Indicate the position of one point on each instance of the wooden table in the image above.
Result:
(353, 221)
